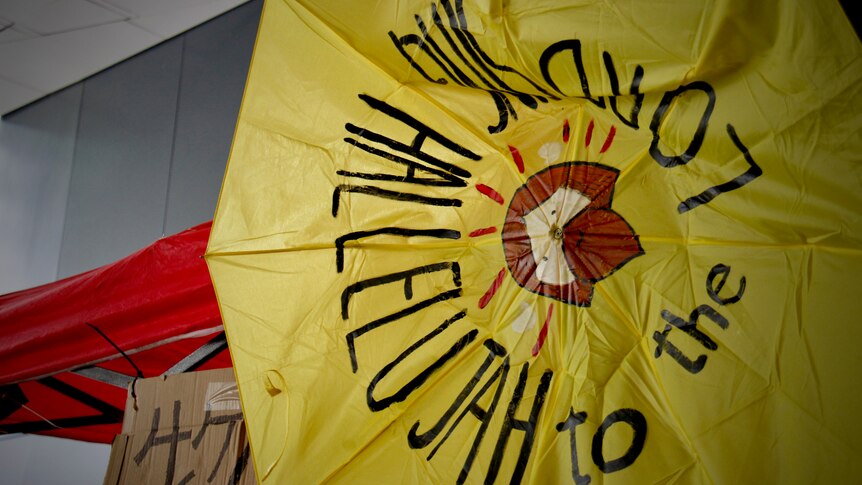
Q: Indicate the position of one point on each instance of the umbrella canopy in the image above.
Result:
(547, 242)
(70, 349)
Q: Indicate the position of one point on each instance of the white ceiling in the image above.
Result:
(46, 45)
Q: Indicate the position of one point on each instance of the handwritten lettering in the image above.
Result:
(689, 326)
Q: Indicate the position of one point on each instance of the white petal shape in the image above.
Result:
(526, 319)
(551, 151)
(542, 222)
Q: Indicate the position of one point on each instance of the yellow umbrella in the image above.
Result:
(547, 242)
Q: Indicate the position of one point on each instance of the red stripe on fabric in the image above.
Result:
(609, 139)
(543, 333)
(516, 155)
(490, 193)
(566, 131)
(483, 231)
(589, 134)
(486, 298)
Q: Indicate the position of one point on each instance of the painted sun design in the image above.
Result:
(560, 236)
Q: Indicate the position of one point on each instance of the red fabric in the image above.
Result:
(91, 410)
(157, 305)
(157, 293)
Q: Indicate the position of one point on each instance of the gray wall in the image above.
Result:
(36, 149)
(107, 166)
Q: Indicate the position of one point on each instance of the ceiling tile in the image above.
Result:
(150, 8)
(50, 63)
(13, 33)
(183, 16)
(86, 36)
(48, 17)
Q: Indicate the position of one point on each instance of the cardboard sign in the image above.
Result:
(182, 429)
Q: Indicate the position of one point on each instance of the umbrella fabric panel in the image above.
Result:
(603, 241)
(165, 281)
(62, 372)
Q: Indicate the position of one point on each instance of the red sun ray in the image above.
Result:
(589, 136)
(486, 298)
(543, 333)
(609, 139)
(566, 131)
(490, 193)
(516, 155)
(483, 231)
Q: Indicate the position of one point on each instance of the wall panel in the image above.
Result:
(36, 149)
(215, 63)
(99, 170)
(122, 159)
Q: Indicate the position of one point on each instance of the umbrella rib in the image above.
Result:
(193, 334)
(746, 244)
(464, 243)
